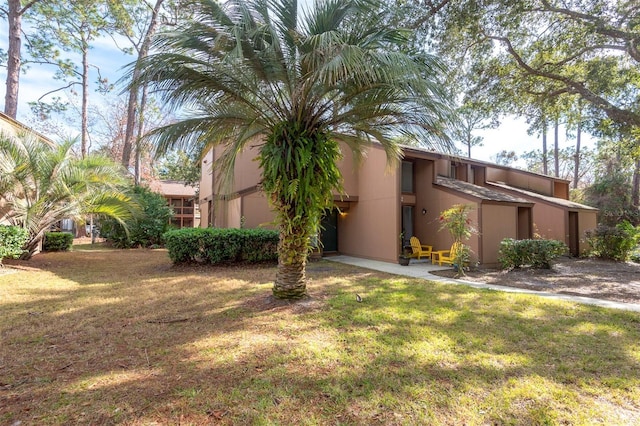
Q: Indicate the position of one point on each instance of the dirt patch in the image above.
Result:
(617, 281)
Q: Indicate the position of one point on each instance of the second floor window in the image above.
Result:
(407, 177)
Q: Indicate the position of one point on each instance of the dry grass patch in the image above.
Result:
(122, 337)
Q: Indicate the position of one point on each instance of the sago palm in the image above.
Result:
(41, 184)
(305, 86)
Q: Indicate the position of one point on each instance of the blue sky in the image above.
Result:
(38, 80)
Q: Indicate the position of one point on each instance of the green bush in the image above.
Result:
(57, 241)
(534, 253)
(614, 242)
(12, 238)
(145, 229)
(217, 245)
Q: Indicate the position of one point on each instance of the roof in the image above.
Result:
(457, 158)
(481, 192)
(173, 187)
(552, 200)
(13, 127)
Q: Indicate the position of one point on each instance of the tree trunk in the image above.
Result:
(13, 61)
(556, 154)
(576, 160)
(291, 281)
(85, 98)
(132, 105)
(143, 105)
(635, 190)
(545, 170)
(33, 246)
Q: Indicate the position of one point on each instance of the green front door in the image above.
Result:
(329, 231)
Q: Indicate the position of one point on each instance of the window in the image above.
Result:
(407, 177)
(183, 212)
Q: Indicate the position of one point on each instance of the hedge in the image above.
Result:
(614, 242)
(218, 245)
(57, 241)
(535, 253)
(12, 238)
(146, 228)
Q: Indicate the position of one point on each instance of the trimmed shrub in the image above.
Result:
(146, 229)
(57, 241)
(217, 245)
(534, 253)
(614, 242)
(12, 238)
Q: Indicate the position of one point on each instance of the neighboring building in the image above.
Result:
(383, 201)
(182, 199)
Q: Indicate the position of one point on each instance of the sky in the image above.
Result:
(37, 80)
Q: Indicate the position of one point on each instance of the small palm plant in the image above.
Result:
(456, 221)
(42, 183)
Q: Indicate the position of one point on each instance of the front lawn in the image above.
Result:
(104, 337)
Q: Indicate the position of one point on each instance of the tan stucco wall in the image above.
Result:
(426, 226)
(587, 221)
(234, 213)
(206, 187)
(520, 179)
(256, 211)
(370, 228)
(561, 190)
(247, 171)
(350, 172)
(550, 222)
(442, 167)
(499, 221)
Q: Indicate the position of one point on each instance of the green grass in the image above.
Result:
(103, 337)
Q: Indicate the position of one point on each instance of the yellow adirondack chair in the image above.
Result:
(446, 256)
(420, 250)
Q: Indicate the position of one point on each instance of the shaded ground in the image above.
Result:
(596, 278)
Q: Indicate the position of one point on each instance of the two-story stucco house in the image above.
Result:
(382, 201)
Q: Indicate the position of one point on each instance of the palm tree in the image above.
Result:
(42, 183)
(301, 84)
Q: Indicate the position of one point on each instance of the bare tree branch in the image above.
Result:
(612, 111)
(432, 10)
(73, 83)
(601, 26)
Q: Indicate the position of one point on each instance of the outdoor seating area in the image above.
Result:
(419, 250)
(446, 256)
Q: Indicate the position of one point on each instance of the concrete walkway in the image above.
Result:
(422, 269)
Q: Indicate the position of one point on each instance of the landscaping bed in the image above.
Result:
(589, 277)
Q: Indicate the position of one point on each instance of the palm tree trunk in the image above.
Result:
(33, 246)
(291, 280)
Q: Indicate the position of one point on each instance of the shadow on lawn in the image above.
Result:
(200, 345)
